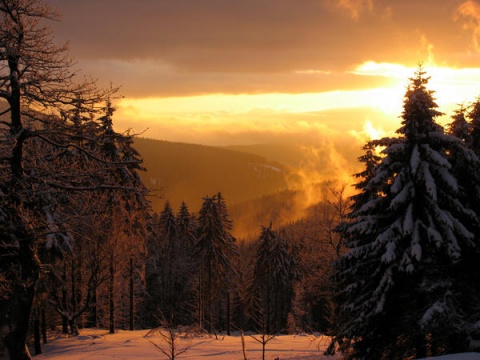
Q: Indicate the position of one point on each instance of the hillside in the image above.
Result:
(188, 172)
(280, 208)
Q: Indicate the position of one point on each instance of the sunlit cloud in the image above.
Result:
(373, 68)
(451, 86)
(230, 114)
(355, 7)
(468, 13)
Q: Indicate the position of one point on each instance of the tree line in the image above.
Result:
(198, 274)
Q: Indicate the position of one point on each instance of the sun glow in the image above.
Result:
(451, 86)
(382, 105)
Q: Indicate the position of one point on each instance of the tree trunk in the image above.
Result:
(73, 300)
(92, 314)
(73, 326)
(17, 308)
(229, 315)
(24, 271)
(111, 299)
(421, 346)
(210, 300)
(64, 300)
(44, 325)
(36, 335)
(201, 311)
(132, 299)
(79, 282)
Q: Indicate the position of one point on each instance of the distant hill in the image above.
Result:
(188, 172)
(287, 154)
(280, 208)
(309, 162)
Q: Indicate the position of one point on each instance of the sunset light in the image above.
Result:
(333, 66)
(233, 179)
(452, 87)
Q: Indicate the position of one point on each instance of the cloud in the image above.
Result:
(152, 78)
(254, 126)
(468, 13)
(355, 7)
(251, 37)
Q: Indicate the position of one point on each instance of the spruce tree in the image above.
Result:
(215, 252)
(168, 228)
(398, 292)
(460, 127)
(474, 128)
(186, 227)
(467, 170)
(271, 286)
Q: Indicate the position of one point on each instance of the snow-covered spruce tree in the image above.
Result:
(271, 286)
(473, 140)
(467, 172)
(398, 290)
(370, 161)
(466, 127)
(215, 253)
(460, 127)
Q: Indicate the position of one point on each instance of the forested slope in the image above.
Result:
(187, 172)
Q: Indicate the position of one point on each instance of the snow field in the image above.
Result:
(131, 345)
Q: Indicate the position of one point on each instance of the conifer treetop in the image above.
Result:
(419, 108)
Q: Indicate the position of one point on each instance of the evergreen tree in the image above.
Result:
(370, 160)
(169, 239)
(186, 226)
(460, 127)
(185, 273)
(215, 251)
(474, 129)
(467, 171)
(271, 286)
(398, 291)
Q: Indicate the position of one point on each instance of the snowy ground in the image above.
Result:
(466, 356)
(97, 344)
(131, 345)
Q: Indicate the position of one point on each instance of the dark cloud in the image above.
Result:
(144, 79)
(254, 45)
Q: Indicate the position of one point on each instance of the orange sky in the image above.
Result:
(251, 71)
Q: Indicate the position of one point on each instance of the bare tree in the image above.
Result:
(37, 85)
(264, 336)
(170, 337)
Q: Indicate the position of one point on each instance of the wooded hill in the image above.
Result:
(258, 191)
(188, 172)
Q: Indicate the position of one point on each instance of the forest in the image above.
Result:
(389, 273)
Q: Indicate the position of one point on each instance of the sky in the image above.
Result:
(223, 72)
